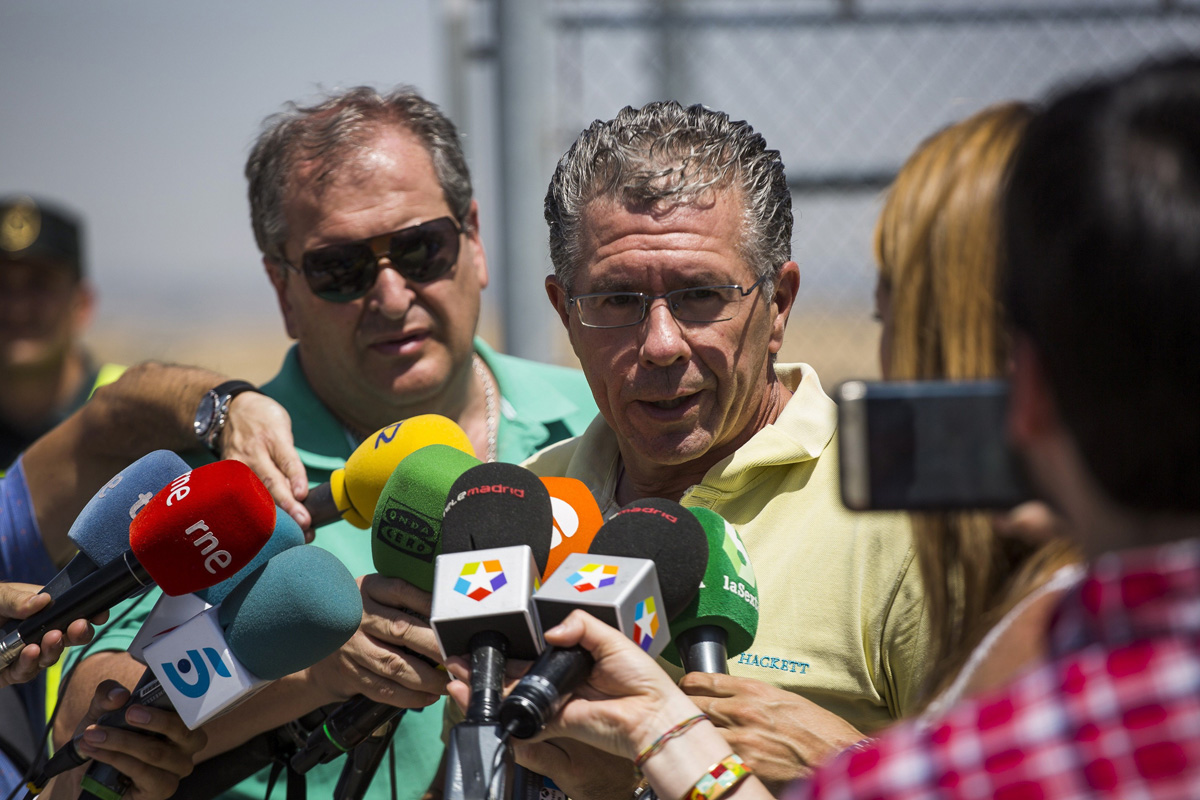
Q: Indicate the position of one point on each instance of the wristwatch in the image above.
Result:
(214, 410)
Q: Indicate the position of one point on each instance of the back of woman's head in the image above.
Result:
(936, 243)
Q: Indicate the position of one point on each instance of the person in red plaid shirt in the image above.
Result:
(1102, 250)
(1102, 219)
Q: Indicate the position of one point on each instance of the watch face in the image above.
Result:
(206, 414)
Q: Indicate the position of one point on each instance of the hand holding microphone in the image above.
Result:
(200, 529)
(154, 749)
(19, 601)
(608, 581)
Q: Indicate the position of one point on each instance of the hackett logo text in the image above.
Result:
(771, 662)
(407, 530)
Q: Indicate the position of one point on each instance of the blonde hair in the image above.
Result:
(937, 244)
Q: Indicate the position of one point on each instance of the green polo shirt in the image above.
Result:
(540, 404)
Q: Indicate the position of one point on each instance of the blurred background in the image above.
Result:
(139, 114)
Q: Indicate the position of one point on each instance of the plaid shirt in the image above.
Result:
(1114, 711)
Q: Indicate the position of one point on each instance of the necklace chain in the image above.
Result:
(489, 397)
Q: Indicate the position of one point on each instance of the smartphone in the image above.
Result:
(927, 446)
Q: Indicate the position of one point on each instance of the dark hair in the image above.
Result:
(1102, 237)
(329, 133)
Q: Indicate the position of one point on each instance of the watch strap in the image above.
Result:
(223, 395)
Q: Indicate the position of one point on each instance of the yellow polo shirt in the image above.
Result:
(841, 616)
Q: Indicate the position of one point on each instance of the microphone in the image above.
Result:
(496, 533)
(287, 614)
(170, 612)
(407, 528)
(496, 536)
(285, 536)
(406, 537)
(200, 529)
(722, 618)
(353, 491)
(101, 531)
(576, 519)
(614, 584)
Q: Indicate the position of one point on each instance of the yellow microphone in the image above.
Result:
(353, 491)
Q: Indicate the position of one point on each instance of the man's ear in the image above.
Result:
(558, 298)
(787, 289)
(475, 241)
(1032, 413)
(277, 273)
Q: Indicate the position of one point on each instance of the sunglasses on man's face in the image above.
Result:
(344, 272)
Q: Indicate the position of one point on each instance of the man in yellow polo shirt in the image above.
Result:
(670, 233)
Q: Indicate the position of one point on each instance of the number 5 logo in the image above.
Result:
(203, 680)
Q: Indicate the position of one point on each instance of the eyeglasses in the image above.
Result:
(344, 272)
(697, 304)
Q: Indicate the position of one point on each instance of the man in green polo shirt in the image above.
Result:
(363, 211)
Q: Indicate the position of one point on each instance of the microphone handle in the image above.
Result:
(361, 765)
(103, 782)
(543, 690)
(344, 729)
(489, 651)
(702, 649)
(100, 591)
(321, 506)
(76, 570)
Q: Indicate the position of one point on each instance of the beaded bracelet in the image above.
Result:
(658, 743)
(719, 779)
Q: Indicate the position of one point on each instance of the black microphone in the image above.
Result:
(610, 581)
(496, 535)
(491, 507)
(405, 537)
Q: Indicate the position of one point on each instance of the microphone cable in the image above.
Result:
(498, 764)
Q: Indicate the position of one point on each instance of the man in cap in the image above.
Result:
(45, 304)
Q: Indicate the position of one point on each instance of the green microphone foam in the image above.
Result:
(406, 534)
(728, 596)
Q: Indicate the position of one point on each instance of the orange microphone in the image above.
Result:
(576, 520)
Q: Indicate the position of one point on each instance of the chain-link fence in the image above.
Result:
(845, 90)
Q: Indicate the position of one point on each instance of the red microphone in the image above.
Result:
(201, 529)
(576, 520)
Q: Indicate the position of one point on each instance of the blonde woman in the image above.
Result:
(937, 244)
